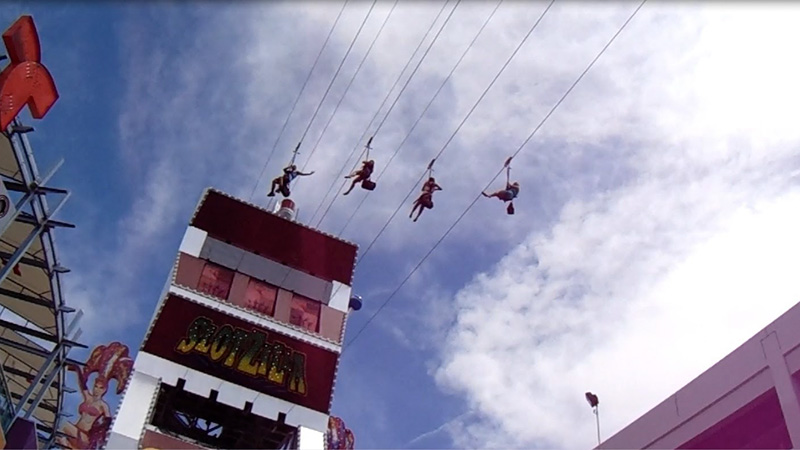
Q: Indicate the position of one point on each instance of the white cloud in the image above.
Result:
(637, 289)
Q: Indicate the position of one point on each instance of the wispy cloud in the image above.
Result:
(447, 426)
(182, 124)
(637, 288)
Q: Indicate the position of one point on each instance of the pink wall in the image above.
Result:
(189, 270)
(746, 400)
(283, 306)
(238, 289)
(331, 322)
(759, 424)
(188, 274)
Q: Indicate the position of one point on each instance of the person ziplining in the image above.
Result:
(362, 175)
(425, 199)
(290, 172)
(510, 192)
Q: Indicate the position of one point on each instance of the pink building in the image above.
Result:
(749, 399)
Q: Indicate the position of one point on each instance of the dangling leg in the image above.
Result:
(417, 204)
(425, 201)
(353, 184)
(284, 182)
(285, 189)
(493, 194)
(276, 183)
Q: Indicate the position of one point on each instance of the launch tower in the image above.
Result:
(243, 346)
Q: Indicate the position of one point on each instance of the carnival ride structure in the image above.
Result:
(38, 327)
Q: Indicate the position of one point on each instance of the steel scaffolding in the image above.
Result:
(36, 334)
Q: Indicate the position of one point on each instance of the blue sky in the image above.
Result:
(657, 202)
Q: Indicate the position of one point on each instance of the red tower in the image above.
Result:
(243, 347)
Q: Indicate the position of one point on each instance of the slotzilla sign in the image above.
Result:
(240, 352)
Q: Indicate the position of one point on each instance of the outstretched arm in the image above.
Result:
(306, 174)
(79, 375)
(81, 380)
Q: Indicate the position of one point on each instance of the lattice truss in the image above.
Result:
(37, 329)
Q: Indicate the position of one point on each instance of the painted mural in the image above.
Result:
(338, 437)
(108, 362)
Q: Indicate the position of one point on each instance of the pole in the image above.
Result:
(597, 414)
(369, 147)
(295, 152)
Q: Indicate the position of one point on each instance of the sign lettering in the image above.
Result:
(247, 352)
(25, 81)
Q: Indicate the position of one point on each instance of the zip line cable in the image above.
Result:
(463, 121)
(460, 217)
(288, 270)
(435, 96)
(347, 89)
(419, 63)
(496, 77)
(399, 77)
(294, 105)
(286, 275)
(328, 89)
(408, 81)
(352, 43)
(356, 162)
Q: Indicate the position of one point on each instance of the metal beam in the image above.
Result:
(47, 384)
(56, 424)
(31, 191)
(30, 220)
(74, 323)
(16, 186)
(26, 298)
(25, 245)
(22, 373)
(36, 380)
(25, 260)
(46, 406)
(45, 428)
(35, 351)
(25, 330)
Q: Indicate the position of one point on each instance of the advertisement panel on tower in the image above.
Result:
(243, 353)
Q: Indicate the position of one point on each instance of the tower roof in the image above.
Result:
(257, 230)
